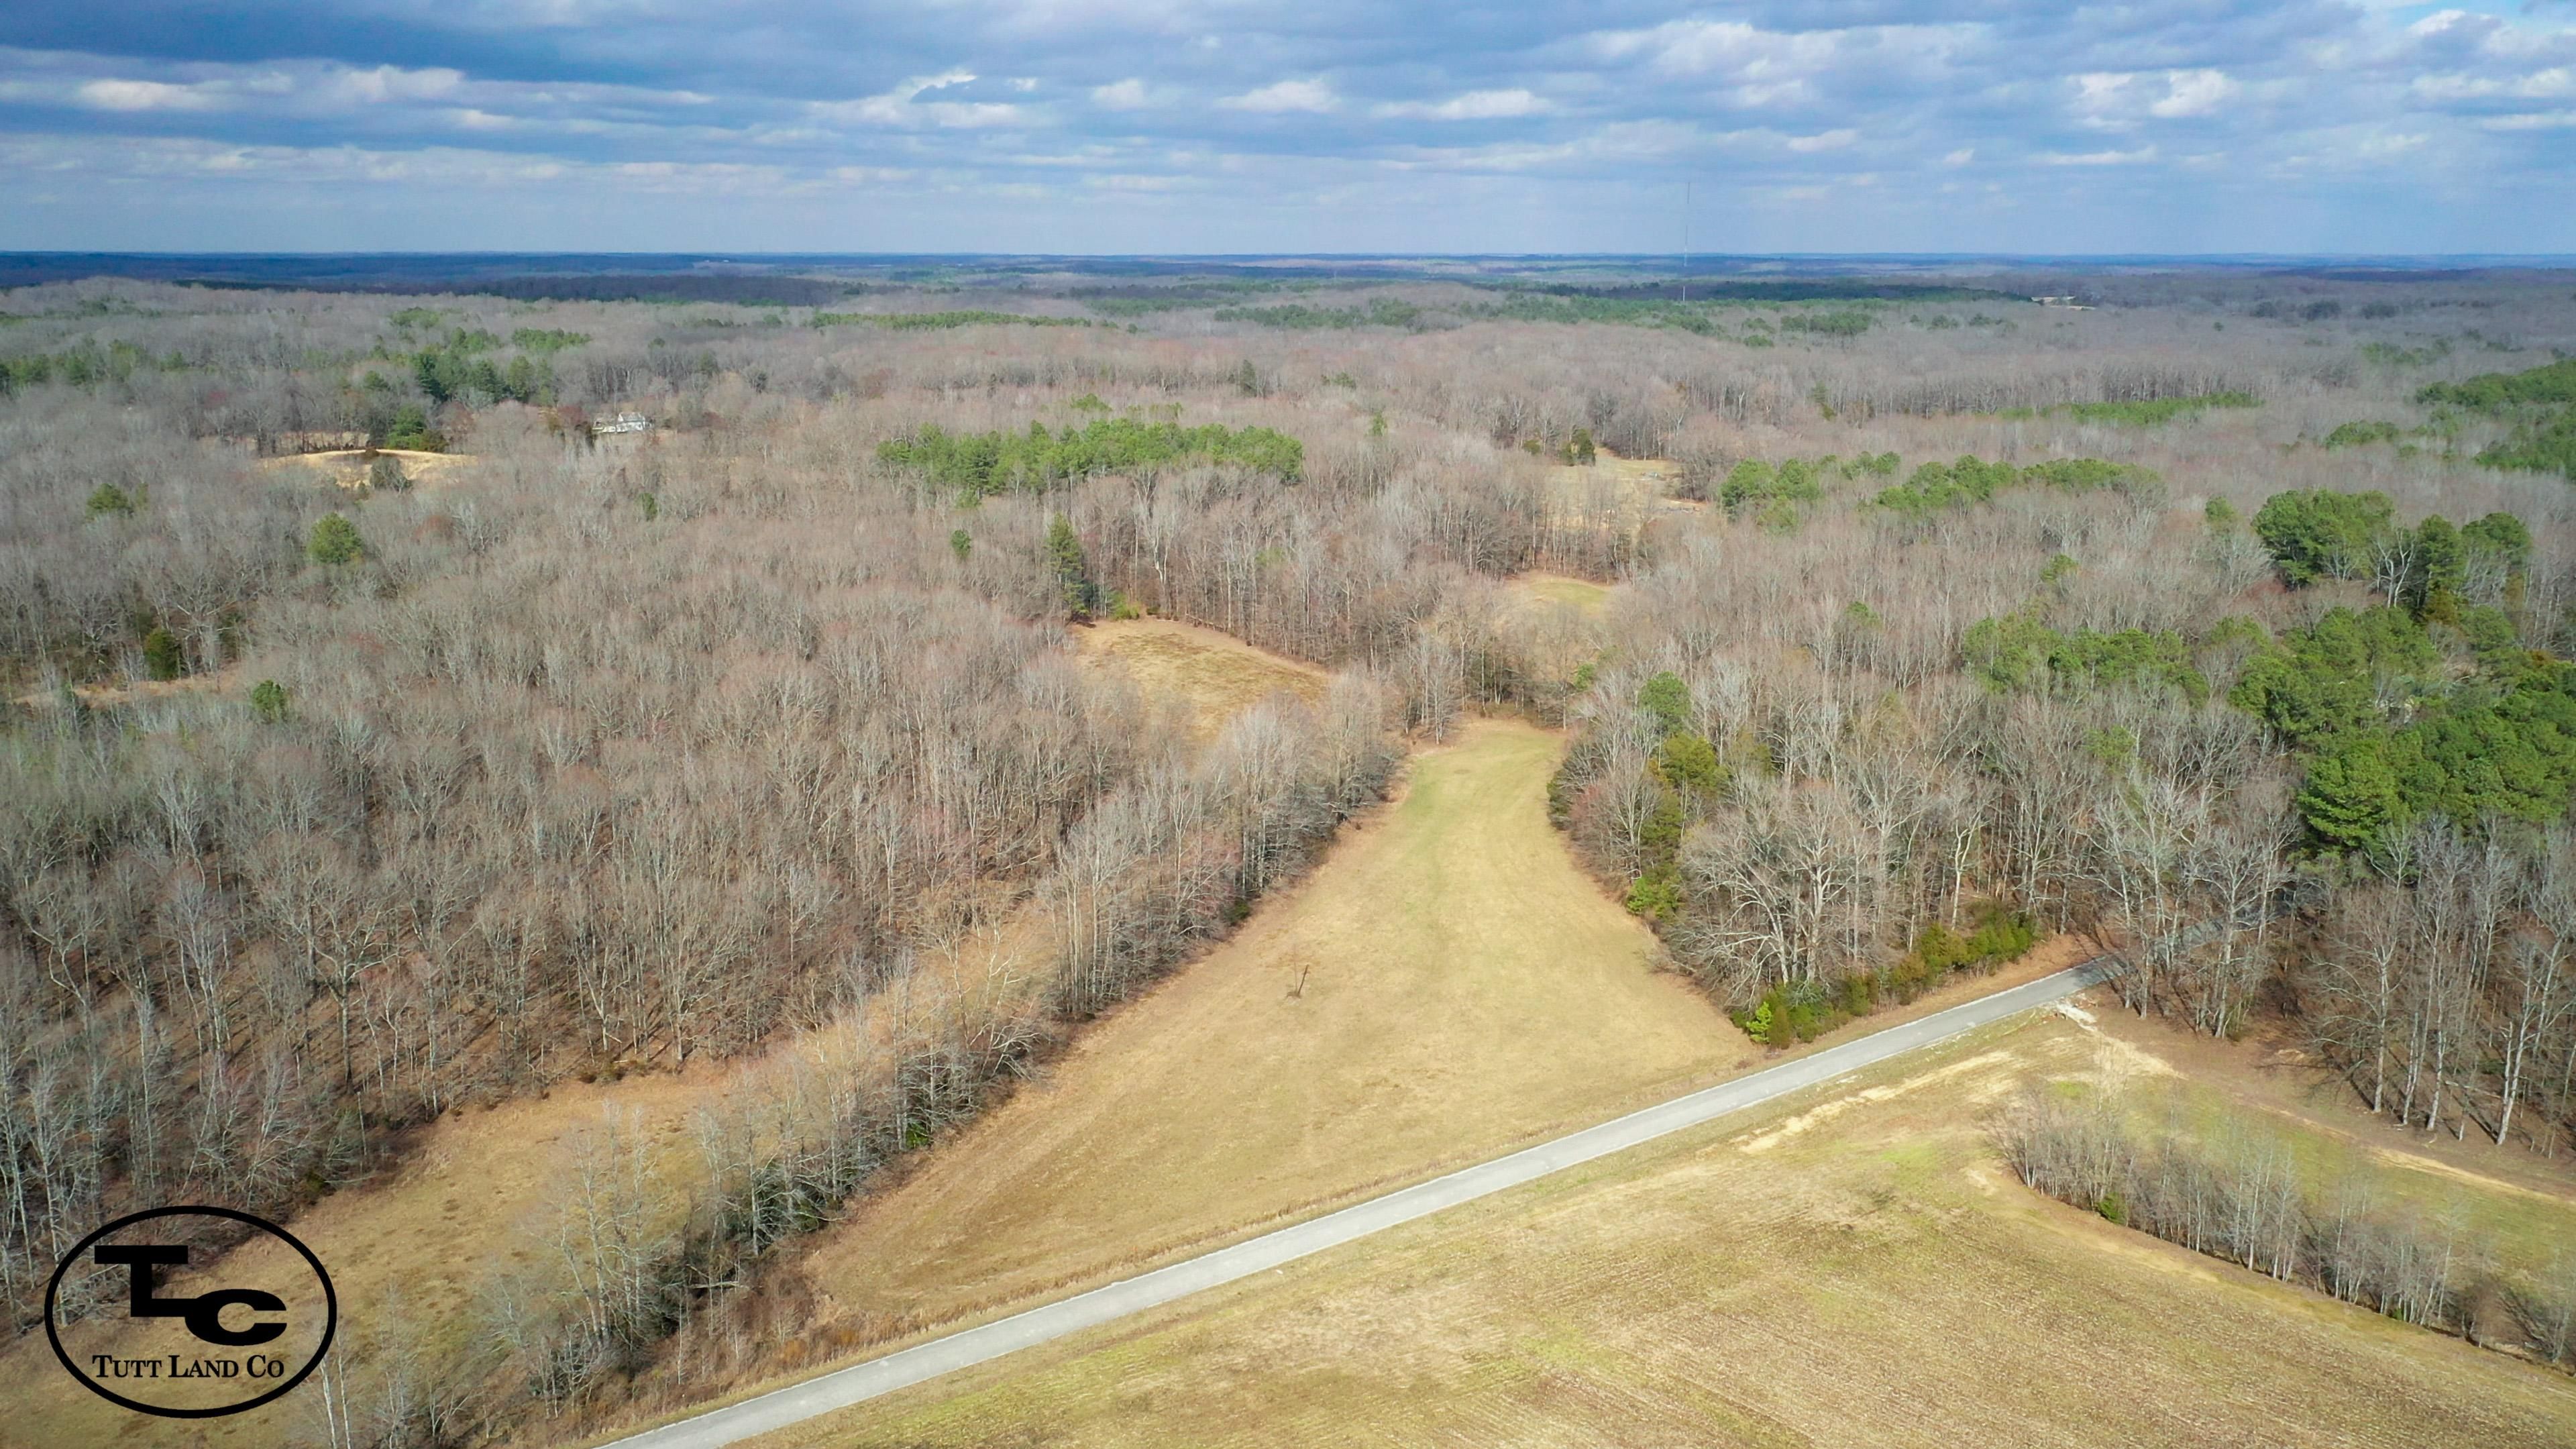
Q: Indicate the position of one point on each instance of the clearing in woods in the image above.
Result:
(1581, 595)
(348, 466)
(1865, 1275)
(1212, 675)
(1444, 985)
(1647, 481)
(102, 696)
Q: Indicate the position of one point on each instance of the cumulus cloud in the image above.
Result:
(1285, 96)
(1823, 141)
(1126, 95)
(2555, 83)
(2138, 157)
(386, 84)
(2118, 101)
(2149, 112)
(1473, 106)
(2193, 93)
(140, 95)
(904, 106)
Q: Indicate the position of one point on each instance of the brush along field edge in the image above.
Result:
(861, 1382)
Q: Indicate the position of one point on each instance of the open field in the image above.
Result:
(1648, 482)
(348, 466)
(1850, 1268)
(102, 696)
(1581, 595)
(1445, 984)
(1210, 674)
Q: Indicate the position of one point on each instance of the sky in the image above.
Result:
(1226, 126)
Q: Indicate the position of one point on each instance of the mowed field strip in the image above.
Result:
(1846, 1266)
(1444, 985)
(1273, 1250)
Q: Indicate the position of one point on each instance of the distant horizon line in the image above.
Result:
(2521, 258)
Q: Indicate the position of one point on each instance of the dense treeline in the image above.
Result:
(1800, 792)
(80, 366)
(1938, 486)
(975, 465)
(2540, 405)
(1380, 312)
(511, 816)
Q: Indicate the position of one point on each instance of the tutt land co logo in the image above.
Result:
(150, 1353)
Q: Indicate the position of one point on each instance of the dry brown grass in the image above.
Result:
(348, 466)
(1445, 984)
(102, 696)
(1581, 595)
(1649, 481)
(1212, 675)
(1873, 1279)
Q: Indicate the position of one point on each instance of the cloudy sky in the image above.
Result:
(2342, 126)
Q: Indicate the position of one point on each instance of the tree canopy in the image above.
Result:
(2019, 652)
(1940, 487)
(2318, 533)
(983, 464)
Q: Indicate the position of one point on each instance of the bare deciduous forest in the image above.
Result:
(2226, 619)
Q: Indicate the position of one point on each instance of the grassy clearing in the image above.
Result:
(1582, 595)
(1212, 675)
(347, 467)
(1851, 1268)
(106, 696)
(1445, 984)
(1646, 482)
